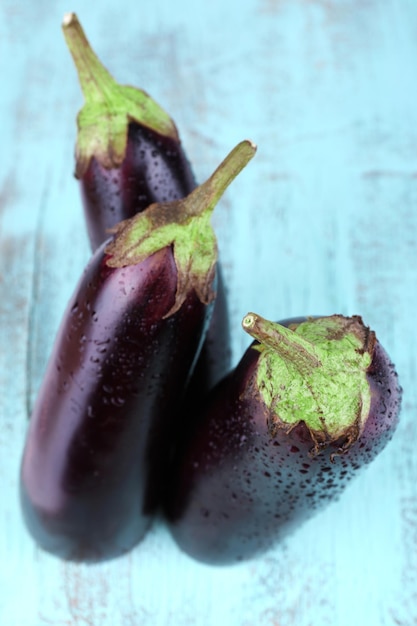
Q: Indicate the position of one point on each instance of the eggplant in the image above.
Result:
(128, 152)
(129, 155)
(101, 431)
(312, 401)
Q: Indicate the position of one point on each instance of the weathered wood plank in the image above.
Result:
(322, 221)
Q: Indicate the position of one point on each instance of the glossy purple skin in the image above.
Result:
(235, 490)
(155, 169)
(101, 431)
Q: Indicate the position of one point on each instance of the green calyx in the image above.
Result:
(316, 373)
(186, 226)
(109, 107)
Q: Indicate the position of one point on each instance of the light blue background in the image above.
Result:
(323, 220)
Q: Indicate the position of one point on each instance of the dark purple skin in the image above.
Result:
(101, 430)
(155, 169)
(236, 490)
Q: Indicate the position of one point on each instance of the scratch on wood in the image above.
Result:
(274, 579)
(389, 174)
(34, 297)
(86, 595)
(405, 611)
(334, 11)
(8, 191)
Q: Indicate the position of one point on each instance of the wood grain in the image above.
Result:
(323, 220)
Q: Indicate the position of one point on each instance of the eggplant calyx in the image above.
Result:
(186, 226)
(109, 107)
(315, 373)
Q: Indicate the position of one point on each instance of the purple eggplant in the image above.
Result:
(104, 421)
(128, 152)
(128, 156)
(312, 401)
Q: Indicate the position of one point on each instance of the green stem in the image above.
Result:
(185, 225)
(96, 82)
(109, 107)
(291, 347)
(315, 374)
(204, 198)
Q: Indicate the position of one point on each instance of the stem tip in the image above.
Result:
(68, 19)
(249, 321)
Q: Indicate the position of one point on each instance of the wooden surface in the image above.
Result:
(323, 220)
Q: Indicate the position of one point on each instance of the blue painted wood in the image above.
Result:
(323, 220)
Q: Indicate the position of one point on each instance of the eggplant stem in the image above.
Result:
(203, 199)
(291, 347)
(96, 81)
